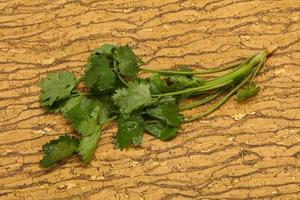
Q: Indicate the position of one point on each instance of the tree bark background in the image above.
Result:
(242, 151)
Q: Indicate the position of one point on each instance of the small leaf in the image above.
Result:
(98, 73)
(247, 92)
(58, 149)
(130, 130)
(166, 111)
(57, 87)
(127, 61)
(135, 96)
(161, 130)
(88, 145)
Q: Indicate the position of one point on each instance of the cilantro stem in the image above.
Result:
(200, 102)
(108, 121)
(227, 79)
(207, 71)
(218, 104)
(121, 79)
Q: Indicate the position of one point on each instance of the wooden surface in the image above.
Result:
(242, 151)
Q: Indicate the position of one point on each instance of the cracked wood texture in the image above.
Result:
(242, 151)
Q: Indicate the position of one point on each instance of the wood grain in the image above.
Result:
(242, 151)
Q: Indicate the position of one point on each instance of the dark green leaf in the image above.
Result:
(161, 130)
(58, 149)
(135, 96)
(98, 73)
(247, 92)
(166, 111)
(127, 61)
(130, 130)
(57, 87)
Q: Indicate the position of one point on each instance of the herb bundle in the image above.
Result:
(154, 104)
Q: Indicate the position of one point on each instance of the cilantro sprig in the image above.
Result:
(154, 104)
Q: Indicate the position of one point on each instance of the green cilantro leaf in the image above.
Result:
(247, 92)
(127, 61)
(58, 149)
(87, 114)
(161, 130)
(135, 96)
(130, 130)
(57, 87)
(166, 111)
(88, 145)
(98, 73)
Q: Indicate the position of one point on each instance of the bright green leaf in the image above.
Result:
(88, 145)
(57, 87)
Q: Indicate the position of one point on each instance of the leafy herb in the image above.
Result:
(127, 62)
(133, 97)
(151, 104)
(58, 149)
(98, 73)
(88, 145)
(130, 130)
(57, 87)
(166, 111)
(161, 130)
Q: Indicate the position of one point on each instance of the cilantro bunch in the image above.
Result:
(114, 91)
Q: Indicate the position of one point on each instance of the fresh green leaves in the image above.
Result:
(57, 87)
(126, 61)
(130, 130)
(114, 91)
(247, 92)
(58, 149)
(137, 95)
(99, 74)
(166, 111)
(87, 116)
(161, 130)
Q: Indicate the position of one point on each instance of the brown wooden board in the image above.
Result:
(242, 151)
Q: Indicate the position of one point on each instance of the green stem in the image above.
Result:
(200, 102)
(227, 79)
(108, 122)
(221, 102)
(121, 79)
(208, 71)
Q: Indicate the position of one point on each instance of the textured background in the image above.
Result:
(242, 151)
